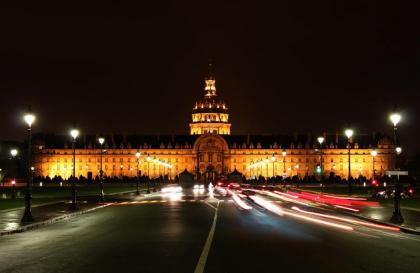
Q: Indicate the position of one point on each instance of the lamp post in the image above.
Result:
(320, 141)
(122, 172)
(29, 118)
(101, 141)
(396, 215)
(374, 153)
(74, 133)
(138, 154)
(13, 153)
(273, 159)
(283, 153)
(349, 134)
(266, 161)
(148, 176)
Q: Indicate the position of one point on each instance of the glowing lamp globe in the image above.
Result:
(13, 152)
(395, 118)
(74, 133)
(29, 119)
(348, 133)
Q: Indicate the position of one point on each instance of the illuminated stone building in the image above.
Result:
(211, 151)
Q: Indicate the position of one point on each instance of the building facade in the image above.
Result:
(211, 151)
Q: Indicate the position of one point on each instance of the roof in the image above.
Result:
(296, 141)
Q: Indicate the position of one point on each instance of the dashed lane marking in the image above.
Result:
(165, 201)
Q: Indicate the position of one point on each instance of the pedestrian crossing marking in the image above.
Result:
(158, 201)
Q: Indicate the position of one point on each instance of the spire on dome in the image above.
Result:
(210, 83)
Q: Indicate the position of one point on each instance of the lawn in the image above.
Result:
(48, 194)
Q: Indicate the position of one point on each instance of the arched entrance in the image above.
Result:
(209, 150)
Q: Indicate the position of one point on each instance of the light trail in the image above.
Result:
(347, 208)
(267, 205)
(347, 220)
(334, 201)
(277, 195)
(344, 197)
(286, 194)
(319, 221)
(277, 210)
(239, 201)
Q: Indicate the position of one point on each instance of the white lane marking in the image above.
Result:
(208, 204)
(204, 254)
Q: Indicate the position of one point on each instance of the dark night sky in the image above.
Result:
(138, 68)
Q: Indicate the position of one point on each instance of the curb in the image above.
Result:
(51, 221)
(402, 229)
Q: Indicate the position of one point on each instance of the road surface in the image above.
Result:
(192, 233)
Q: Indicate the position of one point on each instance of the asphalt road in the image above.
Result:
(175, 234)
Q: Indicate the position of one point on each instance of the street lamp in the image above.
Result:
(148, 158)
(396, 215)
(273, 159)
(320, 141)
(13, 153)
(374, 153)
(283, 153)
(29, 119)
(138, 154)
(122, 172)
(101, 141)
(74, 133)
(170, 172)
(349, 134)
(266, 161)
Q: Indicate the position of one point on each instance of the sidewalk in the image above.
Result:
(384, 214)
(10, 220)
